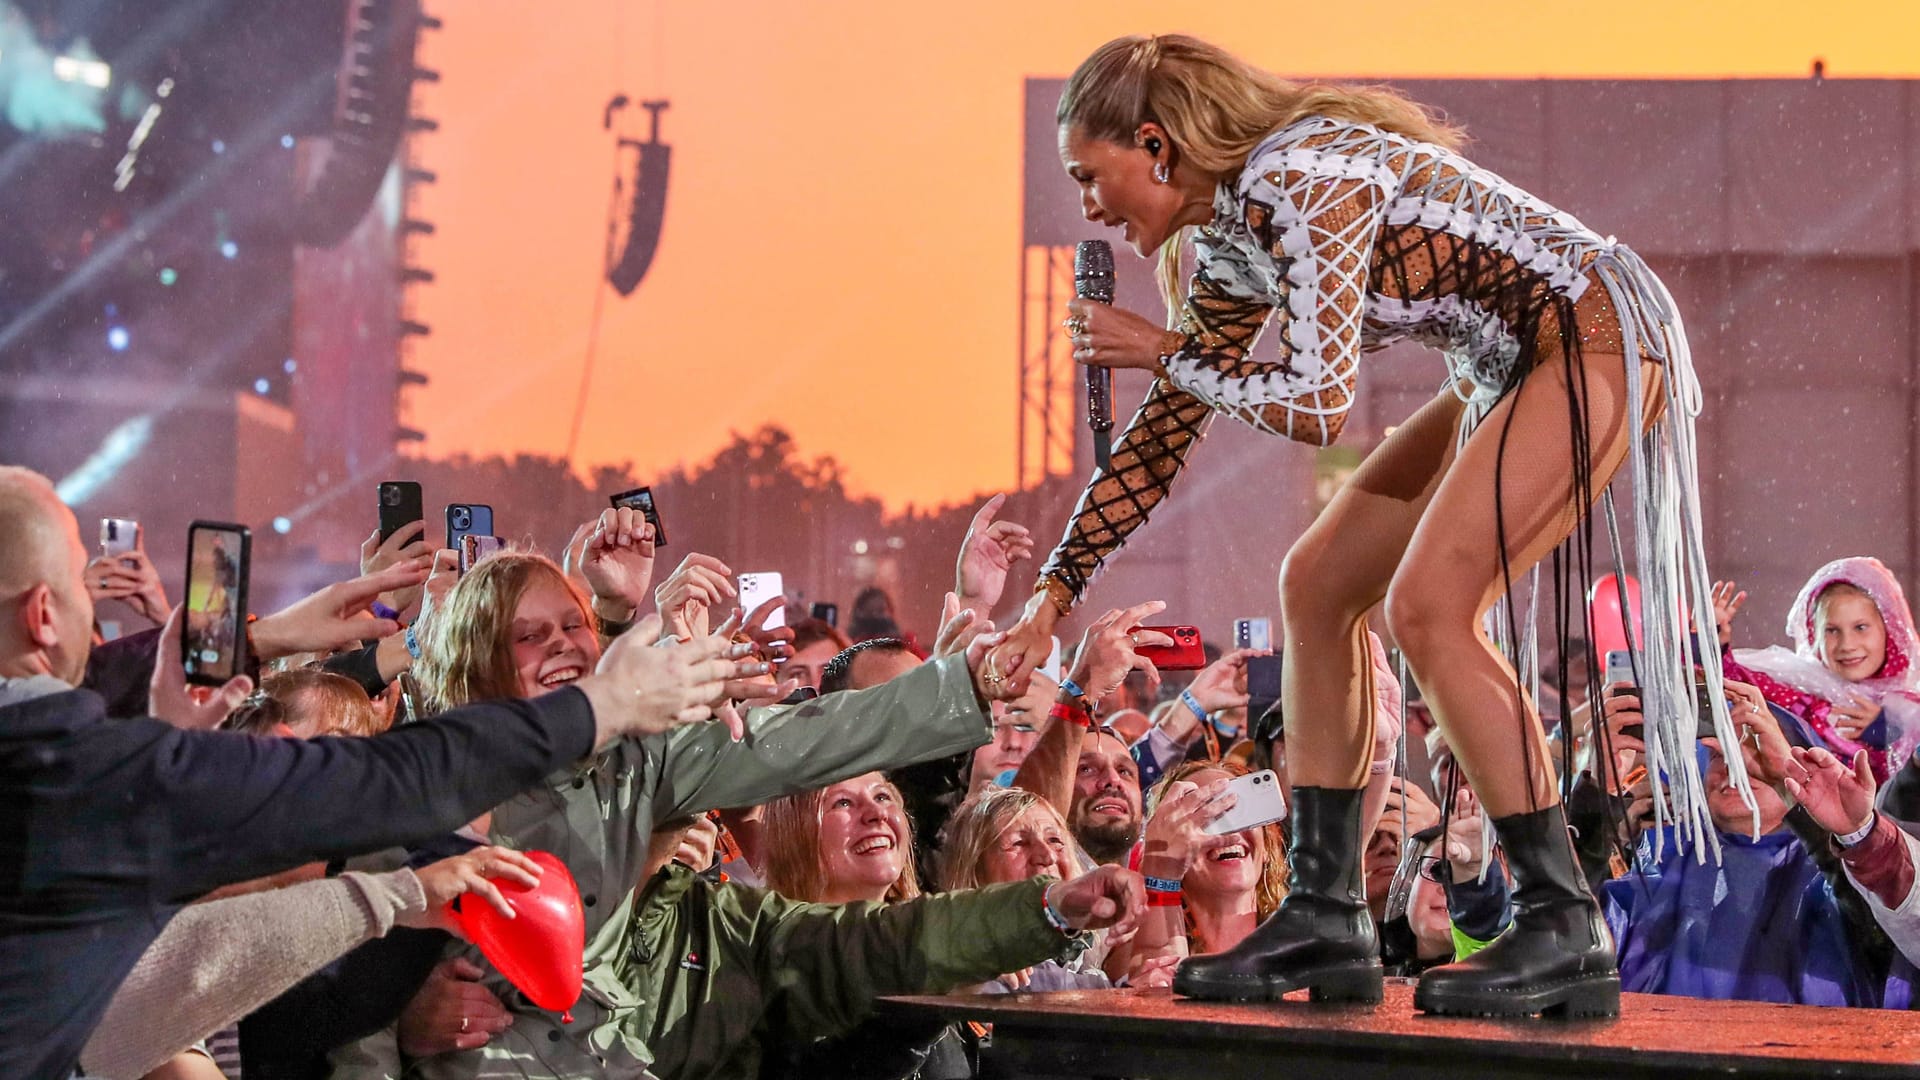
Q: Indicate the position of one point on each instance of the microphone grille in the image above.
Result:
(1093, 258)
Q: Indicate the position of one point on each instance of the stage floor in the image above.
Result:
(1151, 1034)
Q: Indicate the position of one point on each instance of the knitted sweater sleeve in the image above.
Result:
(217, 961)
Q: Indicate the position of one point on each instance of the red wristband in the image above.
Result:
(1066, 711)
(1156, 898)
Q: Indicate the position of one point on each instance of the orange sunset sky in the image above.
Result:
(842, 231)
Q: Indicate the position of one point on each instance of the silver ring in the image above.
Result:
(1135, 638)
(463, 1025)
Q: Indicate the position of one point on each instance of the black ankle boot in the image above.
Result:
(1556, 958)
(1322, 937)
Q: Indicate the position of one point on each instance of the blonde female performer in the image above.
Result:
(1340, 219)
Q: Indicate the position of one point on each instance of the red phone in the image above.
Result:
(1185, 654)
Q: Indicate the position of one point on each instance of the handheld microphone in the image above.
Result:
(1093, 280)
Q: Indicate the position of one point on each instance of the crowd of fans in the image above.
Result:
(771, 829)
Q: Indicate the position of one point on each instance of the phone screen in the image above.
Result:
(118, 536)
(213, 640)
(757, 589)
(641, 499)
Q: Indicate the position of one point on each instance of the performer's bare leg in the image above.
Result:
(1557, 956)
(1322, 938)
(1335, 573)
(1451, 574)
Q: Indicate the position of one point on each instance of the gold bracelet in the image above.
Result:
(1057, 592)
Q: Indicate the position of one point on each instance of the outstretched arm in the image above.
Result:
(1150, 453)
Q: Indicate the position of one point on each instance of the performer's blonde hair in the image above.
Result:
(1217, 108)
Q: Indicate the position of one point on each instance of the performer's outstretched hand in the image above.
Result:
(1027, 645)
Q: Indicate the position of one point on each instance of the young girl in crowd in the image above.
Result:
(1850, 675)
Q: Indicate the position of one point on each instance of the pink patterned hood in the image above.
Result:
(1896, 687)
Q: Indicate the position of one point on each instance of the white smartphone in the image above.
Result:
(757, 589)
(1258, 799)
(118, 536)
(1253, 633)
(1619, 667)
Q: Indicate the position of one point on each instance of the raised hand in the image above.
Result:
(988, 681)
(1726, 604)
(334, 617)
(408, 544)
(1178, 825)
(1853, 715)
(191, 708)
(1223, 684)
(473, 872)
(1619, 751)
(1108, 650)
(643, 689)
(130, 577)
(989, 551)
(1839, 799)
(1765, 745)
(1465, 836)
(617, 562)
(772, 646)
(698, 585)
(958, 628)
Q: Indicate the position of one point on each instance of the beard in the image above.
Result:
(1107, 844)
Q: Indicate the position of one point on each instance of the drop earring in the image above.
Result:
(1160, 173)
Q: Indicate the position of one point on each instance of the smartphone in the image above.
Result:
(1263, 685)
(826, 613)
(1253, 633)
(1620, 670)
(213, 637)
(1258, 799)
(465, 519)
(400, 506)
(641, 499)
(474, 547)
(1185, 654)
(1704, 729)
(757, 589)
(118, 536)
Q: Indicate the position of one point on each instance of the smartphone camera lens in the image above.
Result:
(390, 496)
(462, 518)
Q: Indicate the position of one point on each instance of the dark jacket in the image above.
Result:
(108, 826)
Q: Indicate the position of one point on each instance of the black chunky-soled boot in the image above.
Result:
(1322, 937)
(1556, 958)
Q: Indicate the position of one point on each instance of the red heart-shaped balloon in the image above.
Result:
(539, 950)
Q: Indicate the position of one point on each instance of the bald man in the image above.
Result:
(108, 826)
